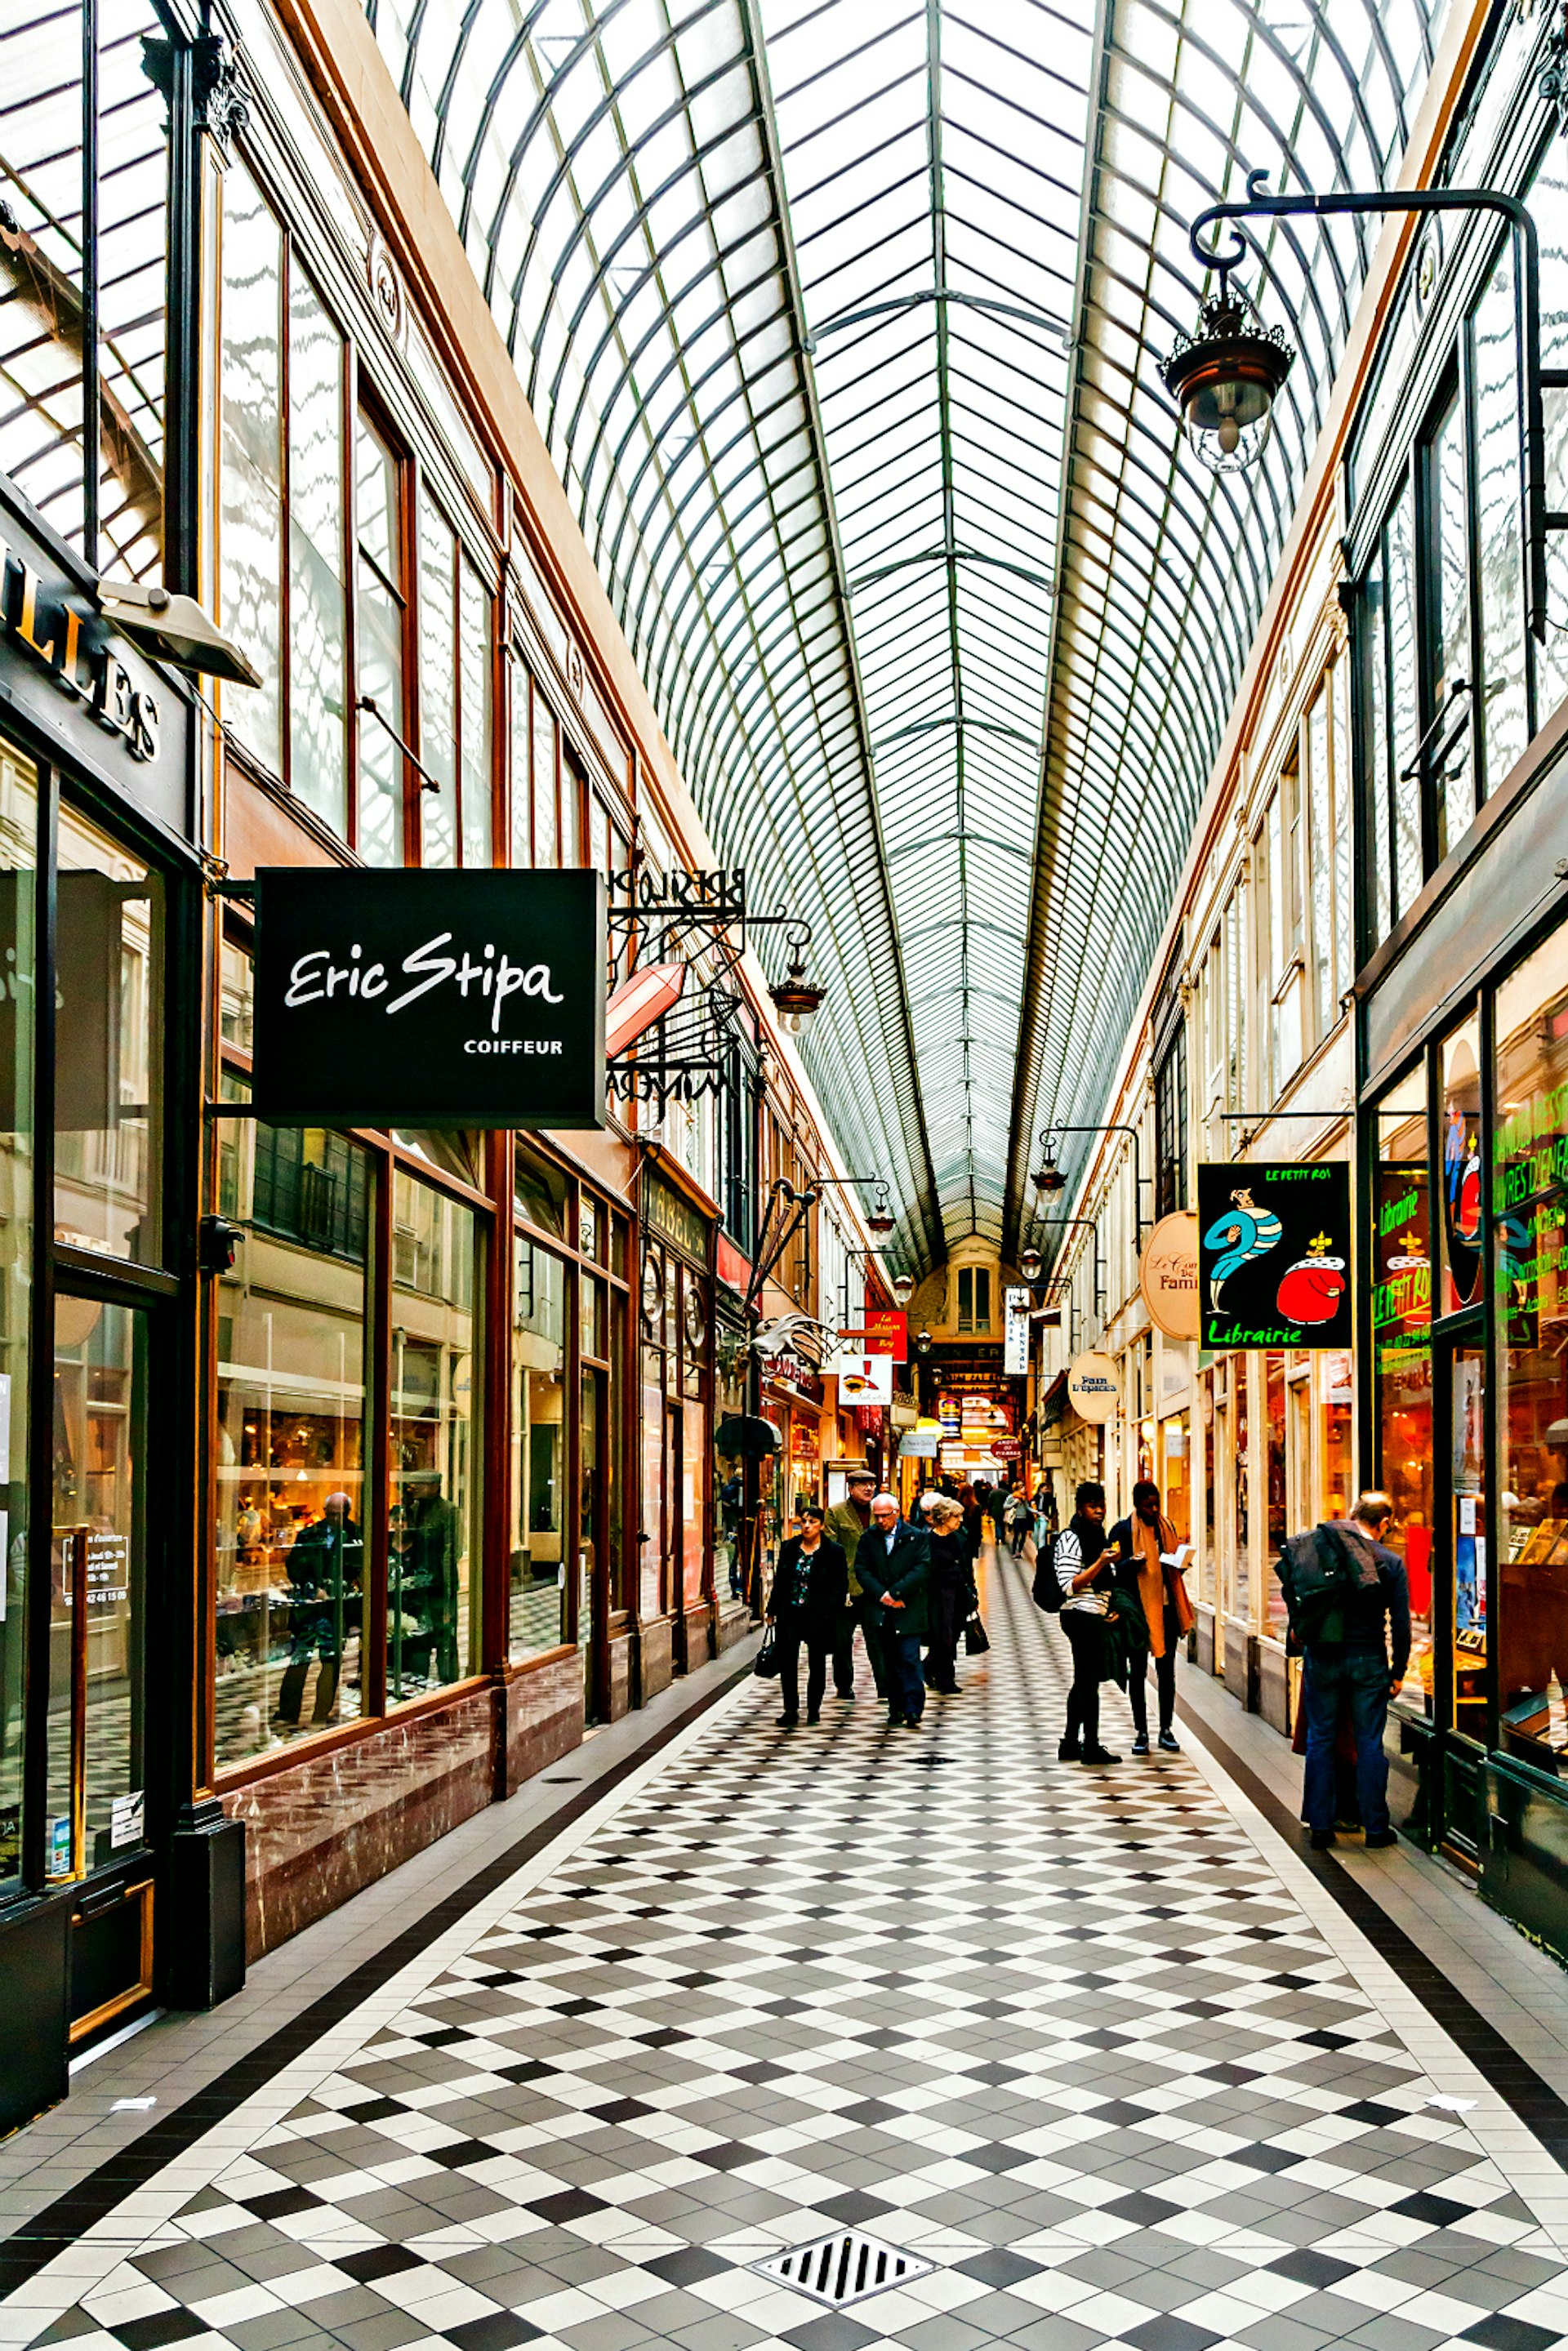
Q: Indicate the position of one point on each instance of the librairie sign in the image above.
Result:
(409, 998)
(1274, 1254)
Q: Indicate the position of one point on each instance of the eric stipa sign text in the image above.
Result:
(429, 999)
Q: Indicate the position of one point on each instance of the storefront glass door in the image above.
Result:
(1465, 1522)
(97, 1724)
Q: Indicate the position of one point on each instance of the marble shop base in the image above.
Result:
(319, 1833)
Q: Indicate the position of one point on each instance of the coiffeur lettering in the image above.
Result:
(314, 977)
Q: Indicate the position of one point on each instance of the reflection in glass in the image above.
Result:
(433, 1627)
(318, 644)
(1404, 712)
(18, 895)
(97, 1631)
(289, 1477)
(589, 1484)
(379, 615)
(1501, 705)
(109, 1021)
(437, 686)
(1463, 1177)
(251, 538)
(1530, 1205)
(1467, 1434)
(536, 1608)
(473, 626)
(1454, 790)
(1401, 1348)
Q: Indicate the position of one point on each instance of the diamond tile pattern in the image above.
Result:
(1064, 2033)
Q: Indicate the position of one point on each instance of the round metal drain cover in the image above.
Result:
(844, 2268)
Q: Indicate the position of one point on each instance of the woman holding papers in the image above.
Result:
(1148, 1538)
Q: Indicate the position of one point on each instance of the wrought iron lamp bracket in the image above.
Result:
(1209, 251)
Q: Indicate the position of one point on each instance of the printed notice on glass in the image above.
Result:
(127, 1819)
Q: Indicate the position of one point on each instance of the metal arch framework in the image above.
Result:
(1164, 569)
(839, 317)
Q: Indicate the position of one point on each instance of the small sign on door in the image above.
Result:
(128, 1820)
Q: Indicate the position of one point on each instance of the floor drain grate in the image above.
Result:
(844, 2268)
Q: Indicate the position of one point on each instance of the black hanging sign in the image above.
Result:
(1273, 1254)
(409, 998)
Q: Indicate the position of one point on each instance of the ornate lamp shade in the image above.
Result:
(1224, 378)
(795, 998)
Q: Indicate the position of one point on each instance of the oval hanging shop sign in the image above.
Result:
(1168, 1275)
(1093, 1388)
(413, 999)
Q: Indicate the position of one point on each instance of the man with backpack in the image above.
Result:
(1346, 1594)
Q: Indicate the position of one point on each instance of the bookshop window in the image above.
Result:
(1531, 1230)
(1402, 1346)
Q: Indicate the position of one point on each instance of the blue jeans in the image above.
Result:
(1332, 1676)
(905, 1682)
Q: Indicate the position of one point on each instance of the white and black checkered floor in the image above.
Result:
(1074, 2037)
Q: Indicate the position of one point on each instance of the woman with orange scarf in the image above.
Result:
(1145, 1538)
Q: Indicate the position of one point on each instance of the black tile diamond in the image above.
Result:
(278, 2203)
(377, 2262)
(1437, 2211)
(498, 2330)
(162, 2327)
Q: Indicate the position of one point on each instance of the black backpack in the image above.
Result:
(1317, 1574)
(1046, 1589)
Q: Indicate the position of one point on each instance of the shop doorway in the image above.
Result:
(96, 1828)
(1462, 1578)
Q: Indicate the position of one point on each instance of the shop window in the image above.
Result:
(291, 1440)
(1278, 1432)
(1402, 1347)
(108, 1056)
(18, 897)
(1450, 710)
(51, 409)
(537, 1617)
(1463, 1194)
(1531, 1210)
(432, 1616)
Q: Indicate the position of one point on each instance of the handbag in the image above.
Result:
(766, 1664)
(976, 1641)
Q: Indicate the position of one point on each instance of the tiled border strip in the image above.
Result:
(377, 1985)
(1514, 2116)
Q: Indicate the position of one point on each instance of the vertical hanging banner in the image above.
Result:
(412, 998)
(1274, 1254)
(1015, 1334)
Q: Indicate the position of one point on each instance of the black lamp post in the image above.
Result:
(1225, 376)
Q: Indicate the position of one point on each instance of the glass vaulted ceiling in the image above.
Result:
(840, 321)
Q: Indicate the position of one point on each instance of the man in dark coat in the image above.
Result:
(847, 1521)
(807, 1603)
(893, 1563)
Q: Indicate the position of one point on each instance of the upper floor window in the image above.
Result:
(1451, 688)
(331, 545)
(1170, 1126)
(974, 1299)
(1303, 870)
